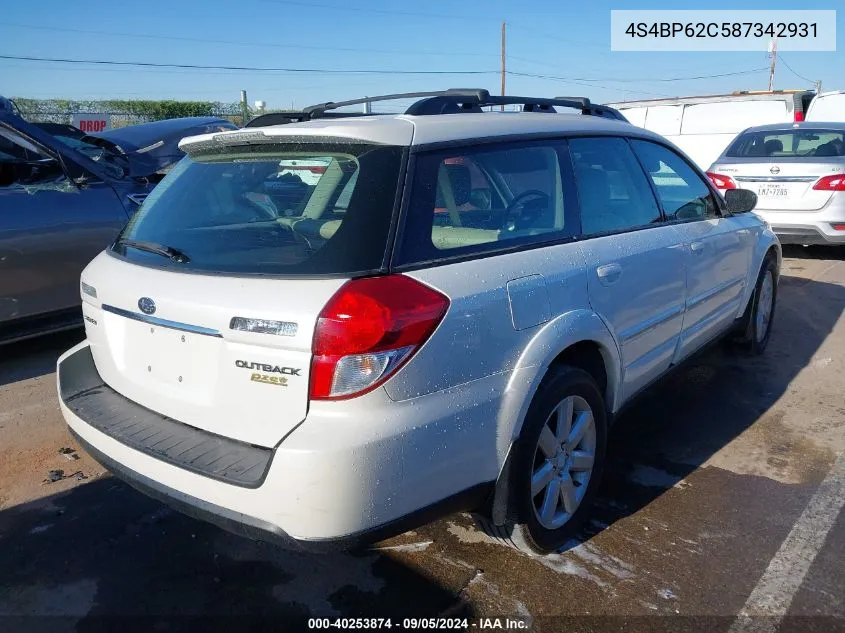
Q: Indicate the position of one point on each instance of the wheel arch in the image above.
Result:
(580, 339)
(767, 243)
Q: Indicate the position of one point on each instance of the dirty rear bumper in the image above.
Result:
(328, 510)
(228, 520)
(259, 530)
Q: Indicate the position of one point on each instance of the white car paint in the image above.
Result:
(446, 421)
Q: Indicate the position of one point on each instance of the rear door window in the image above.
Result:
(682, 192)
(284, 209)
(486, 198)
(613, 192)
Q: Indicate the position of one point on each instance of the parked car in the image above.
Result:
(798, 174)
(704, 126)
(332, 378)
(64, 196)
(828, 106)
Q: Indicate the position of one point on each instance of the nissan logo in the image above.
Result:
(146, 305)
(775, 170)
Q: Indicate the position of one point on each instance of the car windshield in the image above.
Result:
(300, 209)
(789, 143)
(99, 151)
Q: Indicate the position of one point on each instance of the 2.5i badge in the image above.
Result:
(270, 380)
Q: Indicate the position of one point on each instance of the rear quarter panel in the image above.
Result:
(479, 337)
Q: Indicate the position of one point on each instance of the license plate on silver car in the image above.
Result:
(773, 191)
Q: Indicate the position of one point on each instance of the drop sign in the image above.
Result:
(92, 122)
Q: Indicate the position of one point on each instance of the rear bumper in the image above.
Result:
(809, 235)
(259, 530)
(344, 478)
(806, 227)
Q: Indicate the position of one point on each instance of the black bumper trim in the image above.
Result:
(802, 235)
(258, 530)
(85, 393)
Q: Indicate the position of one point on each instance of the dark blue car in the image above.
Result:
(64, 196)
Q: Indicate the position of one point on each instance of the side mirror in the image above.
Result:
(740, 200)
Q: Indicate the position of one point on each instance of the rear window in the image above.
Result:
(298, 209)
(788, 144)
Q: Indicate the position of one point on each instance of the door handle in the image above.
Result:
(697, 247)
(609, 273)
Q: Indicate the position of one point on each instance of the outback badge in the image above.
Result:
(265, 378)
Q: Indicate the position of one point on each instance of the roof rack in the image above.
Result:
(457, 100)
(281, 118)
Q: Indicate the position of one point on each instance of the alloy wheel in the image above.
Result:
(563, 462)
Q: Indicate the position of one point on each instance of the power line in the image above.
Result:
(557, 38)
(415, 14)
(237, 43)
(104, 62)
(643, 79)
(783, 61)
(588, 85)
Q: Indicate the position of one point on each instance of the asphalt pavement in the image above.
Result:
(721, 510)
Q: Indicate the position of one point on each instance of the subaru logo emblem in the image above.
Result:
(146, 305)
(775, 170)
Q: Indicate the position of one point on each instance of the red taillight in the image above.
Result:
(836, 182)
(838, 227)
(369, 329)
(720, 181)
(799, 116)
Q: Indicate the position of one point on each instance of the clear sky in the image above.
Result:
(557, 39)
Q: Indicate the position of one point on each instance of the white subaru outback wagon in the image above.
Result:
(447, 319)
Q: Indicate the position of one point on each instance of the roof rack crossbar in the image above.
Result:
(441, 105)
(479, 94)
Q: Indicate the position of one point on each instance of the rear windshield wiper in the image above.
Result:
(158, 249)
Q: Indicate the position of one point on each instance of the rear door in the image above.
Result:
(717, 248)
(635, 261)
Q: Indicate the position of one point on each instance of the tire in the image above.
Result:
(543, 522)
(759, 316)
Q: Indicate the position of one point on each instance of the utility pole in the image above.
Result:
(244, 106)
(819, 87)
(368, 107)
(504, 71)
(773, 53)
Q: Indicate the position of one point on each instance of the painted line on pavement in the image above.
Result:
(771, 598)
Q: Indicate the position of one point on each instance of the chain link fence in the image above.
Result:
(123, 113)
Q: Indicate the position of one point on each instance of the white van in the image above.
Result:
(704, 126)
(828, 106)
